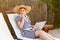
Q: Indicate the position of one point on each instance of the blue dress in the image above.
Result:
(27, 30)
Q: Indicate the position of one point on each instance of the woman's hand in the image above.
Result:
(35, 28)
(23, 16)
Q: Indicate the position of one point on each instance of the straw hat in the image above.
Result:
(16, 9)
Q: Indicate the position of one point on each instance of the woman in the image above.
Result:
(23, 22)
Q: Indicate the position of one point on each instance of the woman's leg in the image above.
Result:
(42, 35)
(48, 34)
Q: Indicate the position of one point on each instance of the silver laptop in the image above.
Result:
(40, 25)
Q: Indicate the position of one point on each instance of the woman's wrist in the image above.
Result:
(23, 21)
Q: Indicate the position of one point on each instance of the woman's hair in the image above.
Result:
(22, 8)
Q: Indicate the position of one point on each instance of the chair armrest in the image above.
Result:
(46, 28)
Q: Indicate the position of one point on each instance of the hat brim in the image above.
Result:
(16, 9)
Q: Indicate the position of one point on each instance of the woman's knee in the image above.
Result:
(38, 33)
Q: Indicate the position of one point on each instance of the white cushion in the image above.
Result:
(16, 29)
(4, 31)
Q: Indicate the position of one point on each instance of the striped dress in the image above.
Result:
(27, 30)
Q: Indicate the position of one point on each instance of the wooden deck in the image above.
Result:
(55, 33)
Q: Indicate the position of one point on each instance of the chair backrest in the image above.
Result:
(16, 29)
(14, 25)
(4, 31)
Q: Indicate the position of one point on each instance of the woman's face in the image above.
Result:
(22, 11)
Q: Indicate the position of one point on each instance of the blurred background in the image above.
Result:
(42, 10)
(48, 10)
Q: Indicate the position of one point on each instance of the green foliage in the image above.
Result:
(56, 5)
(49, 10)
(47, 1)
(53, 8)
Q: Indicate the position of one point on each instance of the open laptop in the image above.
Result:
(40, 25)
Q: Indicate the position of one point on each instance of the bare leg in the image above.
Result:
(48, 35)
(42, 34)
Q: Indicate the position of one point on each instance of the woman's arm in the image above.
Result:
(20, 24)
(34, 27)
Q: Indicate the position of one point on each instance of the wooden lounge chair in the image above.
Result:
(17, 30)
(4, 31)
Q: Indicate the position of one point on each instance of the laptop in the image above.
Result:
(40, 25)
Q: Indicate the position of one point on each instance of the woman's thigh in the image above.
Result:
(42, 34)
(39, 33)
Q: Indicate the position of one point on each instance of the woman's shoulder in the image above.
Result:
(27, 16)
(18, 16)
